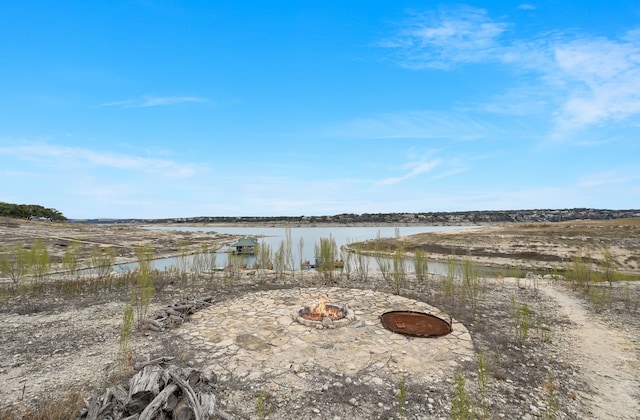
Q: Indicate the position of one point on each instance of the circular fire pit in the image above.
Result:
(325, 315)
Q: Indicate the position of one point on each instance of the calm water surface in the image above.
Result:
(303, 239)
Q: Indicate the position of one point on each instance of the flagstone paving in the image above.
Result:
(255, 337)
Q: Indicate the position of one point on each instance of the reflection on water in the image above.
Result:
(303, 242)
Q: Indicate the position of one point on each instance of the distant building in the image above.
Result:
(246, 246)
(40, 218)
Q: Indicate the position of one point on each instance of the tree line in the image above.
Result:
(24, 211)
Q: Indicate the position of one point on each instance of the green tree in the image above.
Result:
(24, 211)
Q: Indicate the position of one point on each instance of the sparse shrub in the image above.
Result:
(543, 329)
(448, 283)
(40, 264)
(289, 263)
(263, 256)
(102, 260)
(384, 265)
(279, 261)
(521, 318)
(347, 257)
(197, 263)
(599, 297)
(182, 260)
(579, 273)
(462, 403)
(260, 405)
(471, 284)
(399, 273)
(67, 405)
(143, 290)
(362, 264)
(552, 409)
(235, 264)
(15, 262)
(70, 259)
(483, 384)
(609, 268)
(402, 398)
(209, 260)
(301, 257)
(630, 300)
(326, 254)
(125, 336)
(421, 265)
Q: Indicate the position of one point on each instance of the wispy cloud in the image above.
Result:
(68, 157)
(619, 176)
(149, 101)
(602, 78)
(415, 125)
(412, 169)
(444, 38)
(584, 81)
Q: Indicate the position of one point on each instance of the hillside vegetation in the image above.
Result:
(24, 211)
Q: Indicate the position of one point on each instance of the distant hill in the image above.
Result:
(377, 219)
(25, 211)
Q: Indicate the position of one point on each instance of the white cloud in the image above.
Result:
(415, 125)
(150, 101)
(582, 81)
(619, 176)
(67, 157)
(602, 78)
(450, 36)
(412, 169)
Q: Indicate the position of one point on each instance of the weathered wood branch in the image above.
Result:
(158, 391)
(175, 314)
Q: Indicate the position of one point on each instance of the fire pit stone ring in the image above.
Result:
(324, 316)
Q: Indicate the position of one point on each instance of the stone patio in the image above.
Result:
(255, 338)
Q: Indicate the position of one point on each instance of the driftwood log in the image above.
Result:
(158, 392)
(176, 314)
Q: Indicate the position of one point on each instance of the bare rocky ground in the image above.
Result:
(579, 359)
(532, 246)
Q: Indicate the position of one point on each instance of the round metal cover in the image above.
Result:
(415, 324)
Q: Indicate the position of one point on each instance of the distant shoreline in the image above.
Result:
(469, 218)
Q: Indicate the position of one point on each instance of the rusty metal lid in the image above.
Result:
(415, 324)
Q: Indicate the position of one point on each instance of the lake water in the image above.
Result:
(310, 236)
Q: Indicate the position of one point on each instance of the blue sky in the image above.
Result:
(157, 109)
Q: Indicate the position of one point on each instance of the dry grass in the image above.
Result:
(61, 408)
